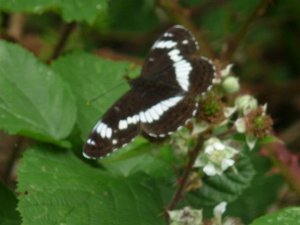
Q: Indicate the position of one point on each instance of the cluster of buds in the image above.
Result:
(189, 216)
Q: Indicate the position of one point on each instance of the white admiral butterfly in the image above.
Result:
(161, 100)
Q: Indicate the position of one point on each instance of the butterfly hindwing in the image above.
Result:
(173, 119)
(121, 123)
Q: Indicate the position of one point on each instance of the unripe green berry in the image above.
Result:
(231, 84)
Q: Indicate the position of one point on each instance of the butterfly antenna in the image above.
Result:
(90, 101)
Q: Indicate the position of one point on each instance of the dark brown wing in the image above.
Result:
(172, 120)
(121, 123)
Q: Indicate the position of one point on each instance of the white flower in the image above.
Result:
(216, 158)
(186, 216)
(245, 103)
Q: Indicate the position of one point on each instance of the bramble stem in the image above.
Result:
(234, 43)
(184, 179)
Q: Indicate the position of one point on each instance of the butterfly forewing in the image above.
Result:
(161, 100)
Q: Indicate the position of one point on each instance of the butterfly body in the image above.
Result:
(161, 100)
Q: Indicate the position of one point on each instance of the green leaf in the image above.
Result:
(8, 213)
(258, 197)
(34, 101)
(58, 188)
(133, 11)
(91, 78)
(71, 10)
(227, 187)
(154, 160)
(288, 216)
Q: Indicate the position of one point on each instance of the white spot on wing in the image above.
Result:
(130, 120)
(103, 130)
(148, 117)
(98, 127)
(174, 55)
(185, 42)
(114, 141)
(167, 34)
(123, 124)
(91, 142)
(143, 117)
(108, 132)
(182, 71)
(136, 118)
(155, 112)
(164, 44)
(158, 109)
(87, 156)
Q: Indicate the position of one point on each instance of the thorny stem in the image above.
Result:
(234, 43)
(184, 179)
(65, 34)
(187, 171)
(180, 15)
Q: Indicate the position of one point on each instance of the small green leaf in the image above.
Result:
(269, 139)
(34, 101)
(57, 188)
(71, 10)
(288, 216)
(91, 78)
(224, 188)
(8, 213)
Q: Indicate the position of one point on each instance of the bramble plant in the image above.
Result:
(215, 170)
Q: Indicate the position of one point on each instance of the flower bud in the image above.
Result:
(186, 216)
(231, 84)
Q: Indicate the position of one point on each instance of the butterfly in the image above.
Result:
(160, 100)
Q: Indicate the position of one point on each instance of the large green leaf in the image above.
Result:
(71, 10)
(226, 187)
(57, 188)
(258, 197)
(34, 101)
(8, 213)
(89, 77)
(288, 216)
